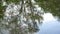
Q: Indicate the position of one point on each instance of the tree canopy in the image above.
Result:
(52, 6)
(22, 16)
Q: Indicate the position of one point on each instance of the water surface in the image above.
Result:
(50, 25)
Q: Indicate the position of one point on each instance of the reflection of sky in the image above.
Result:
(48, 17)
(50, 25)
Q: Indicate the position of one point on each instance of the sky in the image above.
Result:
(50, 25)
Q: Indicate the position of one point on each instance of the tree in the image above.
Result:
(52, 6)
(19, 16)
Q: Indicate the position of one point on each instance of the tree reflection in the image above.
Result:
(52, 6)
(19, 18)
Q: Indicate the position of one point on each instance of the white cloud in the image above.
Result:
(48, 17)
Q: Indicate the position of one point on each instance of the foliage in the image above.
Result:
(13, 1)
(52, 6)
(14, 22)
